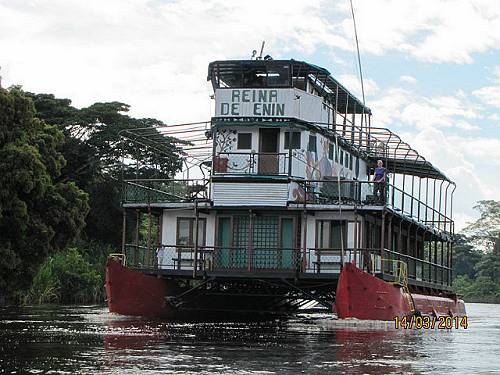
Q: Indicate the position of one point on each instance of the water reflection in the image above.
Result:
(90, 340)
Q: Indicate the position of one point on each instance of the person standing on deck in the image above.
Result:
(379, 181)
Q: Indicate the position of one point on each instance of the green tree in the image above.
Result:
(476, 257)
(94, 150)
(39, 214)
(66, 277)
(465, 257)
(485, 232)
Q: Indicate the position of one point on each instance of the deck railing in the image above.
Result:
(362, 193)
(213, 258)
(283, 260)
(251, 163)
(164, 190)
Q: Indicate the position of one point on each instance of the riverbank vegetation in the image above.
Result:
(476, 256)
(60, 213)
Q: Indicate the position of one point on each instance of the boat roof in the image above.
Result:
(328, 86)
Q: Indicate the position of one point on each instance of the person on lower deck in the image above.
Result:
(379, 182)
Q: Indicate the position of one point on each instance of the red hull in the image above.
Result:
(363, 296)
(133, 293)
(359, 295)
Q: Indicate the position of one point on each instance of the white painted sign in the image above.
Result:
(278, 103)
(254, 103)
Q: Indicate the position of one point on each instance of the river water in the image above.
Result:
(89, 340)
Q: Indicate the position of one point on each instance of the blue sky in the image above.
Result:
(431, 67)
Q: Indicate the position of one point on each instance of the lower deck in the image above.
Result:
(284, 244)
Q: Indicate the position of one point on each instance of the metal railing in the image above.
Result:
(213, 258)
(271, 259)
(354, 192)
(329, 260)
(164, 190)
(251, 163)
(418, 269)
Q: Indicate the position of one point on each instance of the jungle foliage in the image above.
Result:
(40, 214)
(59, 193)
(476, 256)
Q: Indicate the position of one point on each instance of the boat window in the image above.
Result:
(244, 141)
(186, 231)
(341, 157)
(350, 162)
(330, 234)
(357, 167)
(300, 83)
(331, 151)
(346, 164)
(278, 75)
(311, 146)
(229, 79)
(254, 76)
(295, 140)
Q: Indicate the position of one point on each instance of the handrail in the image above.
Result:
(276, 259)
(160, 190)
(313, 192)
(401, 279)
(120, 256)
(266, 163)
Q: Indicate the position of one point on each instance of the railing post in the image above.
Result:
(149, 257)
(124, 230)
(137, 224)
(382, 242)
(196, 236)
(304, 240)
(250, 240)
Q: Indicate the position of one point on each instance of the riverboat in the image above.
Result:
(283, 213)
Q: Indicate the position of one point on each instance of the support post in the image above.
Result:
(149, 255)
(304, 241)
(124, 230)
(250, 241)
(137, 225)
(382, 240)
(290, 153)
(196, 236)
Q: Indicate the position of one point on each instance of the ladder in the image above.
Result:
(401, 279)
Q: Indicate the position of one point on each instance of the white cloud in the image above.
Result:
(489, 95)
(408, 79)
(353, 83)
(470, 162)
(436, 127)
(430, 30)
(152, 55)
(396, 106)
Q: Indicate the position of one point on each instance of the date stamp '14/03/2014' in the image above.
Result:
(431, 322)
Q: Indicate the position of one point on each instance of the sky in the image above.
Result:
(431, 67)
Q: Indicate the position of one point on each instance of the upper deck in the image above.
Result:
(283, 74)
(286, 134)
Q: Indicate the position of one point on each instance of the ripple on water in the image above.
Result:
(89, 340)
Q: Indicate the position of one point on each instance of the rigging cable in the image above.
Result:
(337, 144)
(357, 49)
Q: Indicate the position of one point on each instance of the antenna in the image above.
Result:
(261, 50)
(359, 57)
